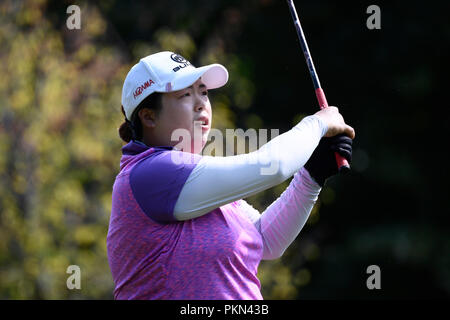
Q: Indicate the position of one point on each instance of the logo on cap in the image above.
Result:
(142, 87)
(183, 62)
(177, 58)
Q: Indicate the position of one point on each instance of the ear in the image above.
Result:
(148, 117)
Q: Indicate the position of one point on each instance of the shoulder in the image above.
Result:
(156, 181)
(164, 164)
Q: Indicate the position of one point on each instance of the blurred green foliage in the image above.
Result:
(60, 96)
(59, 113)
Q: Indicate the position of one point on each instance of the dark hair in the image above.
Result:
(132, 129)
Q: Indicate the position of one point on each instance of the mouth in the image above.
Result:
(203, 122)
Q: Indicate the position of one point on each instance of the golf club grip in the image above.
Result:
(341, 162)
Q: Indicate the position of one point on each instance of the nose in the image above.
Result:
(199, 103)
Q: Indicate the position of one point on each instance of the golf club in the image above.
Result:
(342, 163)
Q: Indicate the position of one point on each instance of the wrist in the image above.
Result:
(322, 123)
(315, 176)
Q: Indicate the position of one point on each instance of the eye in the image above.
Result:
(205, 93)
(187, 94)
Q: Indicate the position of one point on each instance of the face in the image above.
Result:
(185, 119)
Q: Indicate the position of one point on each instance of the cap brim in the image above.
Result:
(213, 76)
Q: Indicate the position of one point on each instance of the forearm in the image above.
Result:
(283, 220)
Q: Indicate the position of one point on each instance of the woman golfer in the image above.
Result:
(179, 228)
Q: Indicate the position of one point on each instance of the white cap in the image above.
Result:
(165, 72)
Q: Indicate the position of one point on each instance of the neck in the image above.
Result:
(151, 141)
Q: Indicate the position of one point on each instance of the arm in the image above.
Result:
(216, 181)
(283, 220)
